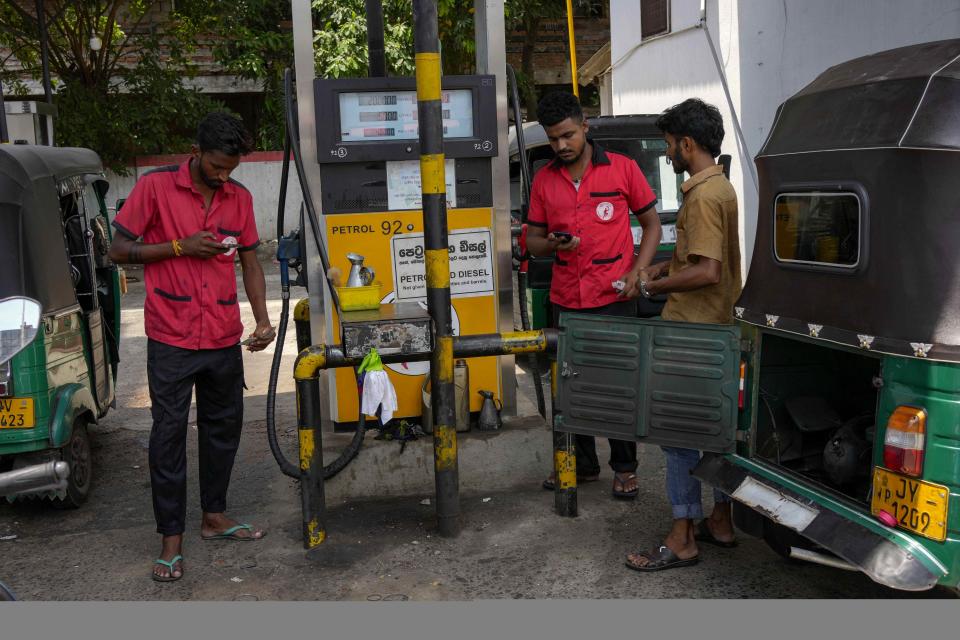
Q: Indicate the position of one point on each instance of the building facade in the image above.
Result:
(765, 52)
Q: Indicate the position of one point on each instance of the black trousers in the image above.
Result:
(172, 374)
(623, 453)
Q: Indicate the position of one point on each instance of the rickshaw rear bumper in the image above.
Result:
(889, 556)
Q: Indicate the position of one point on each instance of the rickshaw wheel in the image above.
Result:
(78, 455)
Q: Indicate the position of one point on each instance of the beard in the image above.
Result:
(213, 183)
(679, 164)
(570, 159)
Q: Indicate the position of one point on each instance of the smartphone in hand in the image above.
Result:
(563, 236)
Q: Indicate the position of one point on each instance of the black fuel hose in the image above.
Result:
(525, 176)
(287, 467)
(293, 139)
(525, 196)
(291, 142)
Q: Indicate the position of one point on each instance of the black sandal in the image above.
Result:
(624, 495)
(704, 534)
(662, 558)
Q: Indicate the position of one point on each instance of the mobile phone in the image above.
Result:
(563, 236)
(249, 341)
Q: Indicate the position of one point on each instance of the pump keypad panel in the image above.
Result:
(350, 188)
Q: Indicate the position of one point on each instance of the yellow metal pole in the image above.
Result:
(573, 49)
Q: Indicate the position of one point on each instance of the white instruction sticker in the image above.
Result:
(471, 264)
(404, 190)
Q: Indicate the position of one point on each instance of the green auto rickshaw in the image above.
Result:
(54, 238)
(834, 398)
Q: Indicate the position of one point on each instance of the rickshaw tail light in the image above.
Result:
(743, 376)
(904, 441)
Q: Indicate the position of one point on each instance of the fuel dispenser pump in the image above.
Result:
(371, 200)
(408, 173)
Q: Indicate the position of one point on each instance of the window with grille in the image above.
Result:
(654, 18)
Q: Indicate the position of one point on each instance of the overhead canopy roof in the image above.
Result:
(903, 97)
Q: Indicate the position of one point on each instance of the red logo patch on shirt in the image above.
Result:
(232, 243)
(605, 211)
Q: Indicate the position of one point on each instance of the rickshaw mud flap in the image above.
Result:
(71, 400)
(888, 556)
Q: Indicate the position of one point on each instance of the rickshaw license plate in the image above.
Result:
(16, 413)
(918, 506)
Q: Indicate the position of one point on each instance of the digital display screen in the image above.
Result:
(392, 115)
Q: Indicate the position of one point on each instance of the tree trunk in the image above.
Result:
(531, 28)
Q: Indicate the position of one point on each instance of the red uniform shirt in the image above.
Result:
(599, 214)
(191, 302)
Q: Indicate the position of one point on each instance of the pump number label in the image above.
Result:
(471, 264)
(918, 506)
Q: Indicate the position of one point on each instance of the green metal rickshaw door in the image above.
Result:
(659, 382)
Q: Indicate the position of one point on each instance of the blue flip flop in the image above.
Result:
(231, 534)
(169, 565)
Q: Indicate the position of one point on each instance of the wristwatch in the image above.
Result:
(643, 289)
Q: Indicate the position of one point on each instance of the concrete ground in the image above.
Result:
(382, 545)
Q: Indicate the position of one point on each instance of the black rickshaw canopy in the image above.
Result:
(883, 131)
(33, 258)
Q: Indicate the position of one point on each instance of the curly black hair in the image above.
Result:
(696, 119)
(222, 131)
(557, 106)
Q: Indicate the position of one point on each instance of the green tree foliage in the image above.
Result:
(129, 98)
(527, 15)
(256, 42)
(340, 37)
(126, 99)
(253, 40)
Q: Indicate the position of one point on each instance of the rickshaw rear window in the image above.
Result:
(818, 228)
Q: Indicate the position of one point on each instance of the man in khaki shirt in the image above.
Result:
(703, 283)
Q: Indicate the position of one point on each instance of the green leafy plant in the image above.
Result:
(126, 99)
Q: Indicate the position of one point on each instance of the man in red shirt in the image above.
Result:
(580, 208)
(185, 223)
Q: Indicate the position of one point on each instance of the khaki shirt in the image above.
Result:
(707, 226)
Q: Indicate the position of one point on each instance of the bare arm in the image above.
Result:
(256, 288)
(650, 223)
(705, 272)
(123, 250)
(659, 270)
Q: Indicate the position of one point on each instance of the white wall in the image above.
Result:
(666, 70)
(769, 51)
(605, 88)
(260, 174)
